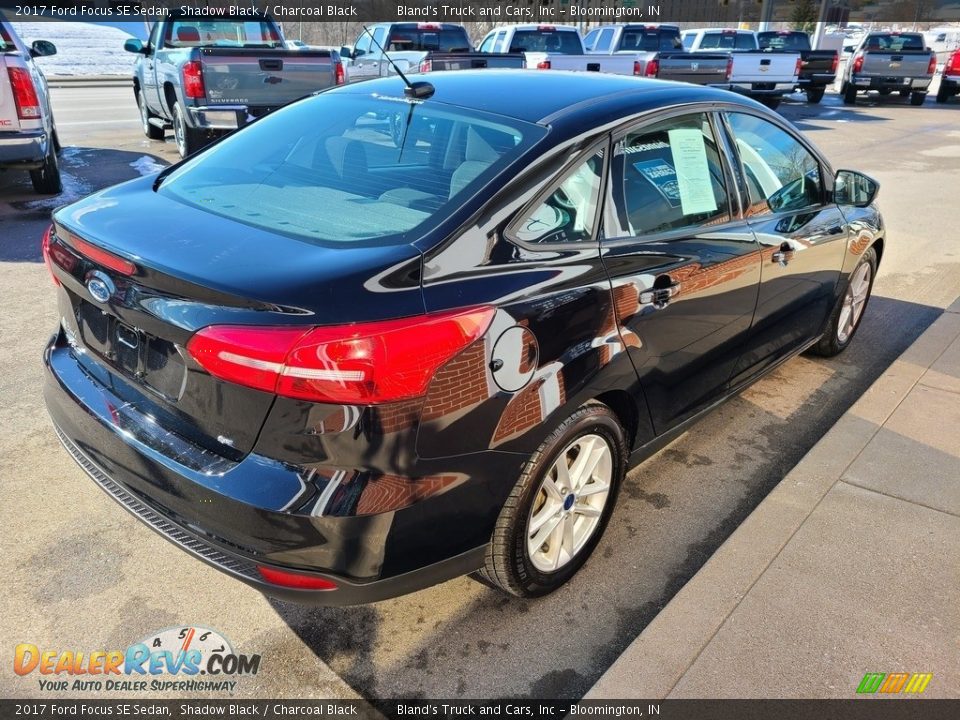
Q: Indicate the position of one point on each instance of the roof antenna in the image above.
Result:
(416, 90)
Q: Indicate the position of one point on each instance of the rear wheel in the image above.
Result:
(187, 138)
(942, 94)
(849, 94)
(772, 102)
(558, 510)
(917, 98)
(904, 93)
(46, 180)
(885, 91)
(848, 312)
(151, 131)
(815, 94)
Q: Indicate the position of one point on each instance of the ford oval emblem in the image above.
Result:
(100, 287)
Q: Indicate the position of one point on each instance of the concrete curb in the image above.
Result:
(656, 661)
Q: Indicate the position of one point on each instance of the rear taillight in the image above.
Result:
(193, 80)
(798, 67)
(339, 76)
(543, 65)
(836, 62)
(953, 65)
(24, 94)
(932, 67)
(729, 67)
(364, 363)
(45, 250)
(858, 63)
(637, 70)
(285, 578)
(653, 68)
(426, 65)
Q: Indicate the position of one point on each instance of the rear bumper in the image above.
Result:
(950, 83)
(231, 518)
(225, 117)
(25, 150)
(874, 82)
(816, 80)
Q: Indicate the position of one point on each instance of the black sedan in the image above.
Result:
(341, 363)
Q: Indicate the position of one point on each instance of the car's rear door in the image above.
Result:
(683, 264)
(802, 235)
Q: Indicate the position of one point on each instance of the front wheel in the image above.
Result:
(916, 99)
(815, 95)
(149, 129)
(849, 94)
(848, 312)
(559, 508)
(188, 139)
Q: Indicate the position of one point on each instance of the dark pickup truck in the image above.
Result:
(818, 68)
(207, 77)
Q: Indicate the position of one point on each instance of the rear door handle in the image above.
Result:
(784, 255)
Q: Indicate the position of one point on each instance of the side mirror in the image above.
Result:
(346, 52)
(42, 48)
(134, 45)
(854, 188)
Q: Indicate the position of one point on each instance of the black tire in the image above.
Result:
(772, 102)
(917, 98)
(815, 95)
(151, 131)
(849, 94)
(46, 180)
(508, 565)
(832, 343)
(188, 139)
(884, 92)
(904, 93)
(942, 95)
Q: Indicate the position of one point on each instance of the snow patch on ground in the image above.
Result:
(73, 187)
(147, 165)
(82, 48)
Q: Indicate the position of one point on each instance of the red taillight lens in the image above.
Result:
(101, 256)
(365, 363)
(426, 65)
(798, 67)
(653, 67)
(636, 68)
(288, 579)
(45, 250)
(543, 65)
(339, 76)
(953, 66)
(858, 63)
(932, 67)
(836, 62)
(193, 80)
(24, 94)
(729, 67)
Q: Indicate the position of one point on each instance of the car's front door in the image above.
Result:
(683, 264)
(802, 235)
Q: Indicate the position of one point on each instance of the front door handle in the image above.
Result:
(659, 297)
(784, 255)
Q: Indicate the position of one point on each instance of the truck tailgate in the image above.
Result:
(619, 64)
(896, 64)
(267, 78)
(8, 109)
(764, 67)
(696, 68)
(473, 61)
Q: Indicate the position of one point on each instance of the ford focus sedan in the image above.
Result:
(341, 363)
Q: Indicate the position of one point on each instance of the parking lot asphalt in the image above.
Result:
(86, 575)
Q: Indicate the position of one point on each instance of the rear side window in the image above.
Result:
(564, 42)
(652, 40)
(666, 177)
(894, 42)
(688, 40)
(345, 167)
(781, 174)
(727, 41)
(221, 33)
(6, 42)
(416, 39)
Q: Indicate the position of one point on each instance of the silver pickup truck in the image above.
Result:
(28, 134)
(207, 77)
(559, 47)
(890, 62)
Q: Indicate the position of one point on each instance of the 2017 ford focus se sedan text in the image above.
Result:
(341, 363)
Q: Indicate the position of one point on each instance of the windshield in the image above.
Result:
(728, 41)
(783, 41)
(416, 39)
(345, 167)
(563, 42)
(221, 33)
(650, 40)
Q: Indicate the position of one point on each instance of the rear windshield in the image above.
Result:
(221, 33)
(728, 41)
(345, 167)
(650, 40)
(564, 42)
(416, 39)
(783, 41)
(895, 42)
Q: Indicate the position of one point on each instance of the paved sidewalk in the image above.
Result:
(851, 565)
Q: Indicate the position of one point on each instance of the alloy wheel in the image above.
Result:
(858, 290)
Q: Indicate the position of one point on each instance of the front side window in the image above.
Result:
(590, 40)
(501, 42)
(666, 177)
(603, 44)
(569, 213)
(344, 167)
(362, 46)
(487, 44)
(780, 173)
(688, 40)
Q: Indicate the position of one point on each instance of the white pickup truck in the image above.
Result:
(558, 47)
(765, 76)
(28, 136)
